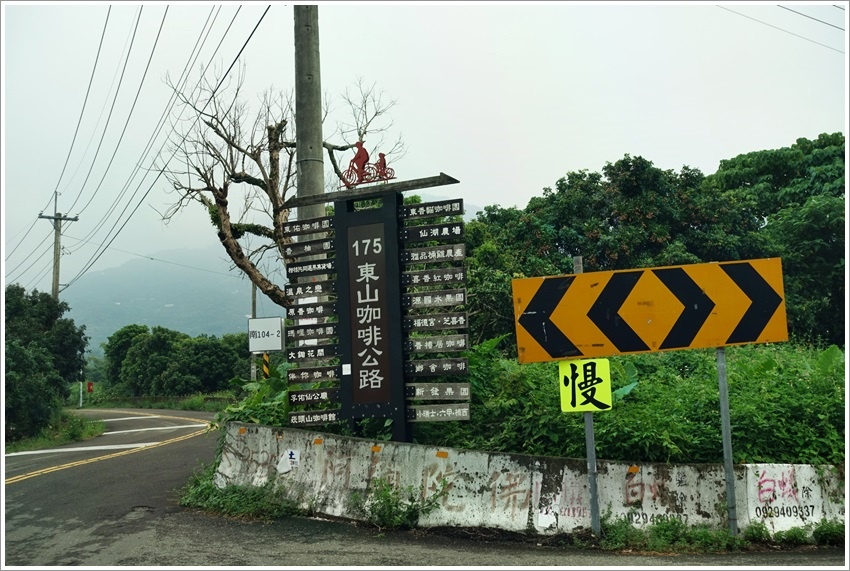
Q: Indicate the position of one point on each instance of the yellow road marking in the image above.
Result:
(29, 475)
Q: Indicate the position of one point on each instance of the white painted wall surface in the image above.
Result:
(524, 493)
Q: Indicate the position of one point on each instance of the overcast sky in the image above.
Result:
(507, 98)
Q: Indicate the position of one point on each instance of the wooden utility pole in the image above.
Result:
(57, 241)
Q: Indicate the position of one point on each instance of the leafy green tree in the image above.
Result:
(96, 370)
(204, 364)
(44, 353)
(782, 202)
(116, 347)
(144, 370)
(33, 389)
(68, 344)
(36, 317)
(810, 241)
(792, 203)
(786, 406)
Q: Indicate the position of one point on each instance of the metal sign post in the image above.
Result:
(590, 446)
(726, 427)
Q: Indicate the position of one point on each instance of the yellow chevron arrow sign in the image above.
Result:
(597, 314)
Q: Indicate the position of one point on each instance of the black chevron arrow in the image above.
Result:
(604, 312)
(764, 302)
(698, 307)
(536, 317)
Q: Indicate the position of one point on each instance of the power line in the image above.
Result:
(781, 29)
(111, 109)
(811, 18)
(79, 121)
(85, 100)
(102, 112)
(9, 255)
(165, 165)
(34, 260)
(130, 113)
(160, 260)
(138, 167)
(42, 273)
(160, 123)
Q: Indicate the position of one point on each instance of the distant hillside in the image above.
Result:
(191, 291)
(194, 293)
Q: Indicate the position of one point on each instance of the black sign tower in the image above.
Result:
(383, 298)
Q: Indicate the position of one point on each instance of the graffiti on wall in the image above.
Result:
(335, 467)
(571, 501)
(509, 492)
(433, 475)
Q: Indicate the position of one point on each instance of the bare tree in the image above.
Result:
(240, 165)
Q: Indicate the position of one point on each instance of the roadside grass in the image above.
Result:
(66, 428)
(265, 503)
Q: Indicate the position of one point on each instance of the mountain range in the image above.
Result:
(190, 291)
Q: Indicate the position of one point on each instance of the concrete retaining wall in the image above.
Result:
(523, 493)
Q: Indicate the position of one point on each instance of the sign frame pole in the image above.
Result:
(590, 445)
(726, 431)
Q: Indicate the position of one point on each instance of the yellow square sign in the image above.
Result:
(585, 385)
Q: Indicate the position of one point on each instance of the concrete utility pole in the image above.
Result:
(57, 237)
(308, 110)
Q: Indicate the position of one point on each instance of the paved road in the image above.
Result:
(112, 501)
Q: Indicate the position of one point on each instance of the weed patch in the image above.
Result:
(829, 532)
(387, 506)
(267, 503)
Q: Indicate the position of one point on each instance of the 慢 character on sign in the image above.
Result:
(587, 386)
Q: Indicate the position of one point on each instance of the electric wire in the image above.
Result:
(812, 18)
(100, 116)
(165, 165)
(127, 122)
(146, 257)
(781, 29)
(36, 259)
(130, 113)
(28, 258)
(135, 30)
(165, 112)
(44, 271)
(76, 130)
(160, 124)
(94, 159)
(112, 107)
(31, 226)
(193, 56)
(85, 100)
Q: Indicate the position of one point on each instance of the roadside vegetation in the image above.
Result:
(786, 400)
(65, 428)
